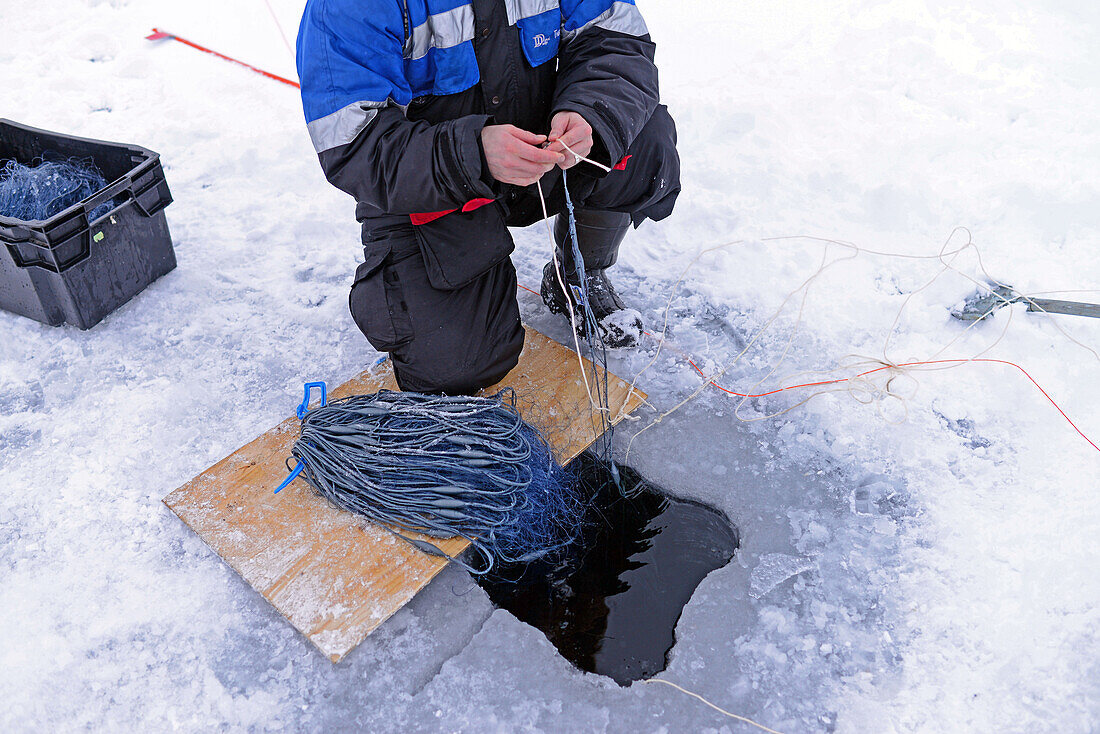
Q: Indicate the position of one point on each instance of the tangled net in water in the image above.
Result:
(443, 467)
(48, 187)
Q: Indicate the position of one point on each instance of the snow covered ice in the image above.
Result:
(959, 593)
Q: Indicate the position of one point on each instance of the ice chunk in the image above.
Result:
(875, 493)
(775, 568)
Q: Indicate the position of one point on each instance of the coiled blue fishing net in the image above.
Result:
(48, 187)
(456, 466)
(443, 467)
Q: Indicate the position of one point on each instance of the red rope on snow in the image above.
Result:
(158, 35)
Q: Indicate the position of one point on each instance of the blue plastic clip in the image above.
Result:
(302, 410)
(304, 407)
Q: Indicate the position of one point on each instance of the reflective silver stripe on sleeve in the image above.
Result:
(622, 18)
(520, 9)
(341, 127)
(442, 30)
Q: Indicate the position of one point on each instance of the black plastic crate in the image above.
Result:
(69, 268)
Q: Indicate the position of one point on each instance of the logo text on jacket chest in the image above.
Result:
(542, 39)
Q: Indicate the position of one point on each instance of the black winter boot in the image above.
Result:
(599, 234)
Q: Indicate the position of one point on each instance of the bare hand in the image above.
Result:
(571, 129)
(514, 155)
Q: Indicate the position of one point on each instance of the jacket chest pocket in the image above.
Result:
(540, 36)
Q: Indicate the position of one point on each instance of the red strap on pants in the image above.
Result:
(469, 206)
(472, 204)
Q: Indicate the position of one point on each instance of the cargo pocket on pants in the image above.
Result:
(462, 246)
(377, 303)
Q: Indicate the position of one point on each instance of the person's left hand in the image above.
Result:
(571, 129)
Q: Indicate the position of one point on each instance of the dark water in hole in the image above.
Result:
(610, 606)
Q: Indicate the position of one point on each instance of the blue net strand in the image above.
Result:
(443, 467)
(45, 188)
(593, 338)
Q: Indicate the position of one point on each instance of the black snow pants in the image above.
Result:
(441, 297)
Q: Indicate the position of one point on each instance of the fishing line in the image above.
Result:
(717, 708)
(279, 25)
(579, 306)
(711, 381)
(856, 385)
(569, 299)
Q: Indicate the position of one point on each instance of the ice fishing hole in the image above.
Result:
(611, 603)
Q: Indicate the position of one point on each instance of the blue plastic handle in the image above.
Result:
(304, 407)
(302, 410)
(293, 475)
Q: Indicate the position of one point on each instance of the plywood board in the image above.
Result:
(332, 574)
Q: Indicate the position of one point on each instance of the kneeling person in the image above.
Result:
(440, 119)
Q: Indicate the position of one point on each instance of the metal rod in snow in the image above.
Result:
(1070, 308)
(978, 306)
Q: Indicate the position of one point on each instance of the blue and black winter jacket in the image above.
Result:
(396, 92)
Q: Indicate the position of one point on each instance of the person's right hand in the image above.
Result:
(514, 155)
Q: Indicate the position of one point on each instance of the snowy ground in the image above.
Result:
(957, 592)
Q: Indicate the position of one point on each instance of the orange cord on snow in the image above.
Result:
(843, 380)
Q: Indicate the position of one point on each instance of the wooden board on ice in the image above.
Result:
(332, 574)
